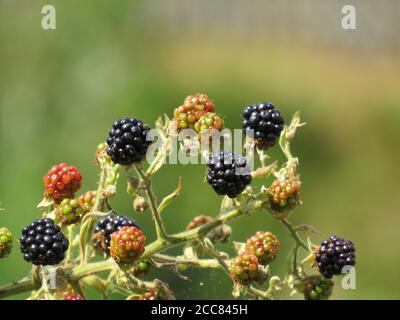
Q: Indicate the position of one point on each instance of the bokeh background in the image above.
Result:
(60, 91)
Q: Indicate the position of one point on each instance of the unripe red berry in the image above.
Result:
(61, 182)
(149, 295)
(284, 190)
(127, 244)
(264, 245)
(193, 109)
(71, 297)
(284, 195)
(208, 122)
(244, 267)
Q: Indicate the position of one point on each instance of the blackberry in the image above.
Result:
(228, 173)
(105, 227)
(43, 243)
(266, 121)
(334, 254)
(127, 141)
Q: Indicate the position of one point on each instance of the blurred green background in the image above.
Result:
(60, 91)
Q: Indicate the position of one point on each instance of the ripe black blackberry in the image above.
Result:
(228, 173)
(334, 254)
(43, 243)
(105, 227)
(127, 141)
(266, 121)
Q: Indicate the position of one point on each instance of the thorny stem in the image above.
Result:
(295, 236)
(262, 295)
(262, 156)
(160, 229)
(88, 224)
(199, 263)
(299, 243)
(24, 285)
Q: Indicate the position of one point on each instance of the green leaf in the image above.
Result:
(45, 203)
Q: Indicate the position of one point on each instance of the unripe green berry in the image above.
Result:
(5, 242)
(69, 211)
(317, 288)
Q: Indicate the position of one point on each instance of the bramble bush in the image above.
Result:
(64, 244)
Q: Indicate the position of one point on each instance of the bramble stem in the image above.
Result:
(199, 263)
(295, 236)
(299, 243)
(261, 295)
(24, 285)
(88, 224)
(160, 229)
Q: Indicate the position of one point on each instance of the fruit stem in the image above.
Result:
(195, 262)
(295, 236)
(160, 228)
(88, 224)
(262, 156)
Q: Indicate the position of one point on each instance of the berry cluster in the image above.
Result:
(244, 267)
(264, 245)
(128, 141)
(317, 288)
(284, 192)
(107, 226)
(262, 122)
(198, 113)
(333, 255)
(6, 242)
(43, 243)
(61, 182)
(228, 173)
(127, 244)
